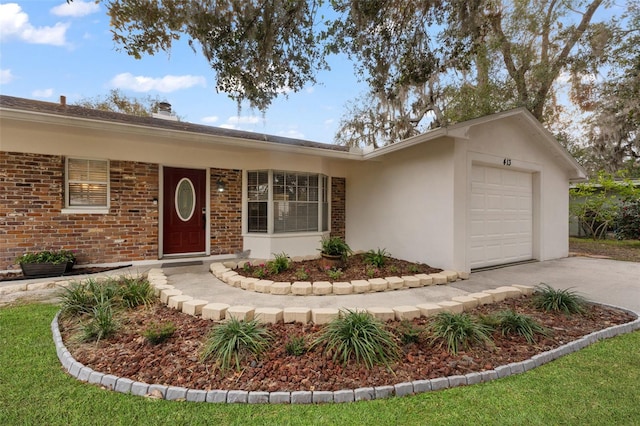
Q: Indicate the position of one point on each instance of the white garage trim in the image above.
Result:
(500, 216)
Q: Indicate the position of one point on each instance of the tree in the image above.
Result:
(614, 100)
(258, 49)
(484, 55)
(116, 101)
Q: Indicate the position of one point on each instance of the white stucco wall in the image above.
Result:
(404, 203)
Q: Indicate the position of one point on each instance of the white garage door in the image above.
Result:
(501, 216)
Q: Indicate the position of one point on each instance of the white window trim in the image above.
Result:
(85, 209)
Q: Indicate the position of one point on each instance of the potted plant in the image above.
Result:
(334, 252)
(46, 263)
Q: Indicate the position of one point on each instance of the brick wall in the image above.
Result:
(338, 209)
(31, 200)
(226, 212)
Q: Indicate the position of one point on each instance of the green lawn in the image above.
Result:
(598, 385)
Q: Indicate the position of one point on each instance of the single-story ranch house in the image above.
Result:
(119, 188)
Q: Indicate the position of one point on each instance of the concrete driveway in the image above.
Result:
(601, 280)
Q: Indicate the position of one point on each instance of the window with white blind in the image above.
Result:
(286, 202)
(86, 183)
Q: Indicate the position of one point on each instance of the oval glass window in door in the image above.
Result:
(185, 199)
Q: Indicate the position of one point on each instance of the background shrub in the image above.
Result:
(628, 221)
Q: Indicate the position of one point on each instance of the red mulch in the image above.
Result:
(176, 361)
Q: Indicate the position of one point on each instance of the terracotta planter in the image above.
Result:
(43, 269)
(329, 261)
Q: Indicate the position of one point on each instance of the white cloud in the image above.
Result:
(251, 119)
(44, 93)
(210, 119)
(14, 23)
(292, 133)
(166, 84)
(227, 126)
(329, 122)
(76, 8)
(6, 77)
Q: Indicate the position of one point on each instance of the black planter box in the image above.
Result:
(43, 269)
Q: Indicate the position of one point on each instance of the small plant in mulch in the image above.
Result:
(558, 300)
(229, 343)
(302, 274)
(360, 337)
(376, 258)
(409, 333)
(296, 346)
(280, 263)
(334, 273)
(459, 331)
(158, 333)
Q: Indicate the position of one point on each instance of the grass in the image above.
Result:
(625, 250)
(597, 385)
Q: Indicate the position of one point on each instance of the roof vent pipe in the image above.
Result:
(164, 108)
(63, 100)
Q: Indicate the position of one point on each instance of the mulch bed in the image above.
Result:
(176, 361)
(355, 268)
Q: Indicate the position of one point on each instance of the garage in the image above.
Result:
(501, 216)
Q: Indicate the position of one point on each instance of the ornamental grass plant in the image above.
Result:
(230, 342)
(359, 336)
(549, 299)
(459, 331)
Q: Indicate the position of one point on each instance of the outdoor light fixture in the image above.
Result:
(221, 185)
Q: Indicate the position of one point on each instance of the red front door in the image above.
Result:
(184, 212)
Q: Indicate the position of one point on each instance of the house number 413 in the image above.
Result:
(506, 161)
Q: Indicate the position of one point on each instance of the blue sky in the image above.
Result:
(50, 48)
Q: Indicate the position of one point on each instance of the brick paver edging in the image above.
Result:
(124, 385)
(230, 273)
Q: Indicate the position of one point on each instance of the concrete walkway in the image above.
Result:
(606, 281)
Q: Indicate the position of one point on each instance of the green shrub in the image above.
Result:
(459, 331)
(135, 292)
(47, 256)
(230, 342)
(549, 299)
(158, 333)
(510, 322)
(296, 346)
(628, 221)
(359, 336)
(281, 263)
(376, 258)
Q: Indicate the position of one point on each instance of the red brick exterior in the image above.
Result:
(32, 198)
(338, 207)
(226, 212)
